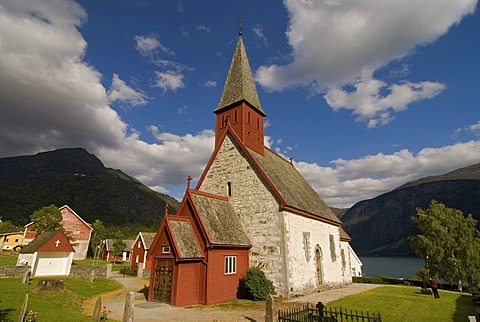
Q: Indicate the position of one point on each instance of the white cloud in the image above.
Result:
(203, 28)
(148, 45)
(367, 101)
(182, 110)
(350, 181)
(259, 35)
(169, 80)
(120, 91)
(475, 127)
(334, 43)
(210, 84)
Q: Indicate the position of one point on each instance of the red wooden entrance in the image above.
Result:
(163, 280)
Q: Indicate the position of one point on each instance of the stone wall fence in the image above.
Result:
(75, 271)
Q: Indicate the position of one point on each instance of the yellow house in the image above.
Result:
(9, 241)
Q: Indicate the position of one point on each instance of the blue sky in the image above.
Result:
(363, 95)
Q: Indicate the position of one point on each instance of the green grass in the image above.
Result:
(60, 306)
(101, 263)
(8, 258)
(403, 303)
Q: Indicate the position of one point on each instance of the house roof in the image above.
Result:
(41, 240)
(147, 239)
(221, 222)
(239, 84)
(184, 237)
(344, 236)
(128, 243)
(293, 188)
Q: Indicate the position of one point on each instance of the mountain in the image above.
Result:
(78, 179)
(380, 226)
(339, 212)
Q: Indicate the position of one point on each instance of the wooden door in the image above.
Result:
(163, 280)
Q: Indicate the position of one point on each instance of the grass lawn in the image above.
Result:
(61, 306)
(101, 263)
(8, 258)
(405, 303)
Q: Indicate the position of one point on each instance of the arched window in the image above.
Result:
(229, 189)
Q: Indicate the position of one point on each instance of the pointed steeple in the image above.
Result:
(240, 84)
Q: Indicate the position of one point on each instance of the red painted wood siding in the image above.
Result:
(50, 246)
(137, 251)
(186, 284)
(223, 287)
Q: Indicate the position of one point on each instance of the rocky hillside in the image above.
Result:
(380, 226)
(79, 179)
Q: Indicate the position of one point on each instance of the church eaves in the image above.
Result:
(240, 84)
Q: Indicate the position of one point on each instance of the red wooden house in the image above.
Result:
(140, 249)
(75, 227)
(107, 251)
(200, 254)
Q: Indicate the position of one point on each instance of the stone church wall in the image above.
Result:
(257, 208)
(305, 237)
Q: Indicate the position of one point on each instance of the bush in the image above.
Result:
(257, 285)
(127, 271)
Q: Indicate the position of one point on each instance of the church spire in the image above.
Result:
(239, 85)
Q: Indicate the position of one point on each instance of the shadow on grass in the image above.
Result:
(5, 314)
(464, 307)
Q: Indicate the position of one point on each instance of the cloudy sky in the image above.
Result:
(364, 95)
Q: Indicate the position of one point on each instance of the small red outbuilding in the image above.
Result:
(200, 254)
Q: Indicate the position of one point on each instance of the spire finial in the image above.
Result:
(240, 30)
(166, 209)
(189, 178)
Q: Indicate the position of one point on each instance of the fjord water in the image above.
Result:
(391, 266)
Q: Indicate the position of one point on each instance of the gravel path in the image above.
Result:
(154, 311)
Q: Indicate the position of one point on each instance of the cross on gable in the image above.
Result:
(57, 242)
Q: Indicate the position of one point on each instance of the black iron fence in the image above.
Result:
(320, 313)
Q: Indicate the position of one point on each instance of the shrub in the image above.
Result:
(127, 271)
(257, 285)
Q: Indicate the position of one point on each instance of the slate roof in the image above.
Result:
(185, 239)
(239, 84)
(148, 239)
(128, 242)
(221, 221)
(293, 188)
(344, 235)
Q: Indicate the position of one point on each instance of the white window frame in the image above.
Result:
(165, 249)
(230, 265)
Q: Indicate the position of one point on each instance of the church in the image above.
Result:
(250, 207)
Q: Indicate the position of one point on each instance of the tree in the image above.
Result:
(118, 247)
(99, 234)
(8, 227)
(47, 219)
(448, 243)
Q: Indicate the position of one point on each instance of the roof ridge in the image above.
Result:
(209, 195)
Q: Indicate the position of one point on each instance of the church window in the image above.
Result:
(258, 123)
(229, 189)
(333, 253)
(306, 245)
(235, 119)
(165, 249)
(344, 261)
(248, 117)
(223, 121)
(230, 264)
